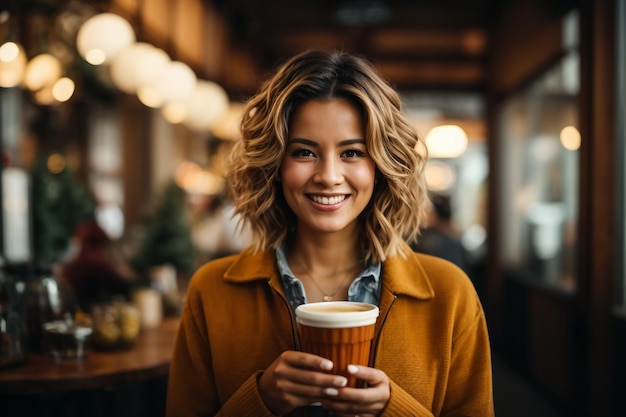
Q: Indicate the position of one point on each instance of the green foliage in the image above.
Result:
(59, 204)
(166, 235)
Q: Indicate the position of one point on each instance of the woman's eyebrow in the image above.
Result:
(352, 142)
(310, 142)
(302, 141)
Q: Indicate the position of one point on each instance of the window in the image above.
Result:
(538, 195)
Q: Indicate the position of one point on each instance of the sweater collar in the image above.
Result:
(261, 265)
(407, 276)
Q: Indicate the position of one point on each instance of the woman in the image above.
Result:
(328, 178)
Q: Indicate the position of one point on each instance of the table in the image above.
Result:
(99, 374)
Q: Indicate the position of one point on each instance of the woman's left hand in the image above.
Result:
(361, 402)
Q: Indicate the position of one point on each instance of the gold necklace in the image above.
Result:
(328, 297)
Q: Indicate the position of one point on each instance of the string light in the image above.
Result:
(102, 36)
(446, 141)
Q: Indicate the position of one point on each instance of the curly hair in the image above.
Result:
(399, 201)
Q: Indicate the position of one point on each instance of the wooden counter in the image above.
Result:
(148, 358)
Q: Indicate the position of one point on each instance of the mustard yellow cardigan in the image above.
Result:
(431, 339)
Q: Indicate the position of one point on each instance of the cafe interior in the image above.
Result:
(117, 118)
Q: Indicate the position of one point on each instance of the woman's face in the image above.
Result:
(327, 175)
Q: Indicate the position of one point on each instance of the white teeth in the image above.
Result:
(328, 200)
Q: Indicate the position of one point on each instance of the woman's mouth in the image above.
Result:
(328, 201)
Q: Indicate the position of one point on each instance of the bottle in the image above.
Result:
(12, 332)
(43, 300)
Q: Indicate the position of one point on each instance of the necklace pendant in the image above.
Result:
(328, 298)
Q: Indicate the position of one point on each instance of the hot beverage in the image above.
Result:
(341, 331)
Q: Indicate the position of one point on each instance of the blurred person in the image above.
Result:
(328, 178)
(93, 269)
(438, 236)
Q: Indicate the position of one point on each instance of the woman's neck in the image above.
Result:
(324, 255)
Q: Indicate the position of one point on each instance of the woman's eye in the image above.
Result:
(302, 153)
(353, 153)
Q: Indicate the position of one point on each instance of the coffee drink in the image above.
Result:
(341, 331)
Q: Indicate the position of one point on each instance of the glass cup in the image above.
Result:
(67, 339)
(341, 331)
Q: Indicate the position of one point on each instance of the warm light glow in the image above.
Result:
(42, 71)
(184, 170)
(95, 56)
(12, 64)
(174, 112)
(56, 163)
(150, 97)
(9, 51)
(474, 41)
(439, 176)
(446, 141)
(195, 180)
(44, 96)
(137, 65)
(176, 83)
(570, 138)
(207, 104)
(227, 127)
(204, 182)
(102, 36)
(63, 89)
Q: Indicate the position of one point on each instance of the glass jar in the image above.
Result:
(12, 332)
(43, 300)
(116, 325)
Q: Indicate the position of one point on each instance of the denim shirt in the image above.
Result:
(365, 288)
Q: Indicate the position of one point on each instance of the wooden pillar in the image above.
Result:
(597, 216)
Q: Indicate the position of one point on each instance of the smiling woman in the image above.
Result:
(328, 178)
(326, 149)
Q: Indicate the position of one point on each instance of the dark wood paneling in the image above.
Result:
(598, 239)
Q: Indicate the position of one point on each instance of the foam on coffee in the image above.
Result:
(337, 314)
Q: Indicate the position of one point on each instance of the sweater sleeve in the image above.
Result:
(469, 390)
(402, 404)
(192, 389)
(470, 385)
(451, 344)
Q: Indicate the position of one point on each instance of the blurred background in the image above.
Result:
(117, 117)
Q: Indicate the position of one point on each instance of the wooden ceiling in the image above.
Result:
(417, 45)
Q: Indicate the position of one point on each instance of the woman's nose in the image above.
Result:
(329, 171)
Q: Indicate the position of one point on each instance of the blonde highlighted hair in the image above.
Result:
(397, 206)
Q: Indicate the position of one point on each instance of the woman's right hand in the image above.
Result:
(298, 379)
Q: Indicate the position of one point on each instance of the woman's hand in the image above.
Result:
(361, 402)
(299, 379)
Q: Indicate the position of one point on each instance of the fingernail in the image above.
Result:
(340, 381)
(352, 369)
(331, 391)
(326, 365)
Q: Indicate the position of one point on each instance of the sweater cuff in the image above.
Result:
(247, 401)
(401, 404)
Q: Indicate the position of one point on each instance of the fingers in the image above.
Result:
(298, 379)
(363, 402)
(371, 376)
(307, 360)
(310, 371)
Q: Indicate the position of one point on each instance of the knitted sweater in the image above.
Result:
(431, 339)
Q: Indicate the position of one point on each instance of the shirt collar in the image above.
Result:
(284, 270)
(365, 287)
